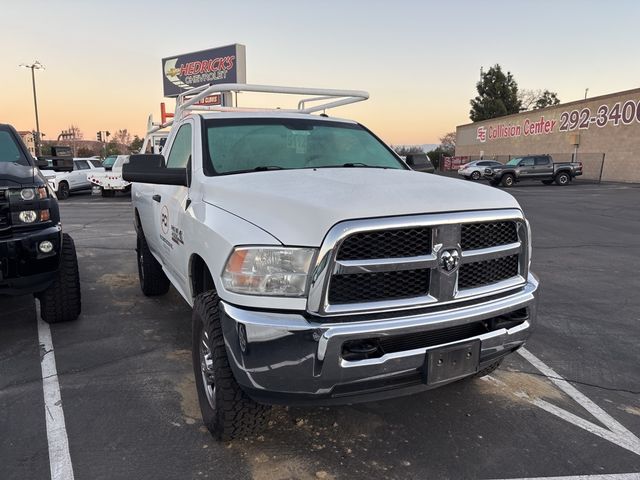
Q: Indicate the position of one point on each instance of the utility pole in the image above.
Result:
(35, 66)
(586, 90)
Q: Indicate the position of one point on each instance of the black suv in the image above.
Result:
(35, 256)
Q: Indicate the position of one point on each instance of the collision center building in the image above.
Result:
(602, 132)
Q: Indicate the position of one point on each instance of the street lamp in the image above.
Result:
(35, 66)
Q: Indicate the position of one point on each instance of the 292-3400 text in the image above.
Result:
(620, 113)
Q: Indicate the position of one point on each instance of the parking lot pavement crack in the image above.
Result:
(578, 382)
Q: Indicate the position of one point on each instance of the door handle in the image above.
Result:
(157, 198)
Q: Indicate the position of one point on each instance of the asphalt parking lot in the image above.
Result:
(130, 407)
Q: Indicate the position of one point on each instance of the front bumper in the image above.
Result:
(23, 268)
(285, 358)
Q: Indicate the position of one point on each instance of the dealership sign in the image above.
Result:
(621, 113)
(207, 67)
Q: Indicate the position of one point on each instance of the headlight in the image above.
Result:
(28, 216)
(268, 271)
(27, 194)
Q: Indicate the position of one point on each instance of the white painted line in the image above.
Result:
(614, 433)
(59, 457)
(612, 476)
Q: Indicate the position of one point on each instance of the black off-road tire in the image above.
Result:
(61, 301)
(563, 178)
(233, 414)
(475, 176)
(487, 370)
(153, 280)
(547, 182)
(508, 180)
(63, 191)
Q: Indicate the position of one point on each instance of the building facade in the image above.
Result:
(29, 140)
(602, 132)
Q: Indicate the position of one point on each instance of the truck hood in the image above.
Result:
(14, 175)
(298, 207)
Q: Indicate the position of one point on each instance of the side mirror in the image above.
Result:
(42, 164)
(151, 169)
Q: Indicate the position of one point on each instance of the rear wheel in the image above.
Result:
(508, 180)
(63, 191)
(153, 280)
(563, 178)
(227, 411)
(475, 175)
(61, 301)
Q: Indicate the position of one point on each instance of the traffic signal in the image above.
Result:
(99, 135)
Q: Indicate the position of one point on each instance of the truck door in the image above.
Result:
(170, 203)
(543, 167)
(526, 168)
(80, 170)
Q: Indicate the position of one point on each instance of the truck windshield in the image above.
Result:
(109, 161)
(9, 151)
(513, 161)
(244, 145)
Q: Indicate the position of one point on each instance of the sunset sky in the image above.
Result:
(419, 60)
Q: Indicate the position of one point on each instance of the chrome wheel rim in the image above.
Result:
(509, 181)
(206, 369)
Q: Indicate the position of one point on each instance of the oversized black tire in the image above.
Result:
(563, 178)
(63, 191)
(547, 182)
(61, 302)
(227, 411)
(108, 193)
(153, 280)
(488, 369)
(508, 180)
(475, 176)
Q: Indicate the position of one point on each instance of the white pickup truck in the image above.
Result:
(65, 182)
(111, 181)
(319, 267)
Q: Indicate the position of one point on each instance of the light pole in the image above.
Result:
(35, 66)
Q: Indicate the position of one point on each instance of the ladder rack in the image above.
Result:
(321, 99)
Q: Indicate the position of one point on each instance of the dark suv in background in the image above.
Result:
(35, 256)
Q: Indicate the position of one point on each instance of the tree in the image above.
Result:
(404, 150)
(86, 152)
(122, 136)
(136, 144)
(448, 143)
(112, 148)
(547, 99)
(497, 95)
(436, 155)
(535, 99)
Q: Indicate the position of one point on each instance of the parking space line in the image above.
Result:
(611, 476)
(59, 457)
(614, 433)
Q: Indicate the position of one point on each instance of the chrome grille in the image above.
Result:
(406, 242)
(395, 263)
(367, 287)
(488, 234)
(486, 272)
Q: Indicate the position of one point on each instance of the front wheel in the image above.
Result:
(508, 180)
(61, 301)
(227, 411)
(63, 191)
(563, 179)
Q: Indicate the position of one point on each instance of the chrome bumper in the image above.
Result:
(289, 359)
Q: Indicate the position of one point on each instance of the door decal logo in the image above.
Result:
(164, 219)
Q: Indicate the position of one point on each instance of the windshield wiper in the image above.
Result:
(264, 168)
(359, 164)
